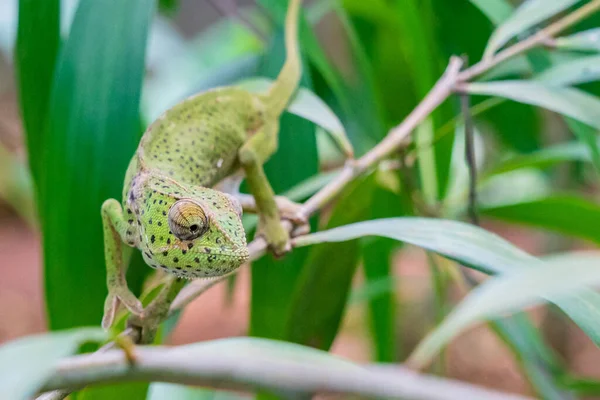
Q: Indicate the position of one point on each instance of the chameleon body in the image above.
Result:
(169, 210)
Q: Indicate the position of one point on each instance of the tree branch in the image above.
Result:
(230, 371)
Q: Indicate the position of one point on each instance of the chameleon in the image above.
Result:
(171, 210)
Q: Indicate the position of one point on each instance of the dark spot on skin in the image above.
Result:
(159, 223)
(176, 259)
(147, 255)
(130, 243)
(206, 250)
(165, 253)
(152, 239)
(197, 260)
(169, 241)
(218, 240)
(128, 232)
(212, 257)
(188, 266)
(164, 213)
(128, 211)
(178, 268)
(150, 221)
(183, 251)
(190, 245)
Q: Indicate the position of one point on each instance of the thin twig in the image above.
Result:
(470, 158)
(257, 369)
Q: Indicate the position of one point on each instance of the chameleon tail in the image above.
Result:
(287, 82)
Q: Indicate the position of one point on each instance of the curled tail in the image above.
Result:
(287, 81)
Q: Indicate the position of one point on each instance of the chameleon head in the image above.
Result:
(206, 237)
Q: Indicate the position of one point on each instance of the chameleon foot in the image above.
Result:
(111, 305)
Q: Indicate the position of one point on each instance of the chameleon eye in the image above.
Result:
(187, 220)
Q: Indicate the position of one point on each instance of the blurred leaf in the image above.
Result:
(162, 391)
(93, 130)
(26, 363)
(314, 293)
(528, 15)
(582, 386)
(570, 102)
(572, 72)
(297, 147)
(310, 186)
(569, 151)
(38, 40)
(16, 186)
(168, 7)
(378, 267)
(588, 40)
(470, 246)
(567, 101)
(571, 215)
(118, 391)
(309, 106)
(532, 354)
(527, 287)
(496, 11)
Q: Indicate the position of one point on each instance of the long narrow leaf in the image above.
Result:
(92, 133)
(572, 72)
(587, 41)
(38, 40)
(527, 288)
(470, 246)
(497, 11)
(571, 215)
(529, 14)
(26, 363)
(571, 102)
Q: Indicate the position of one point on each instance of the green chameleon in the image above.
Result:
(169, 210)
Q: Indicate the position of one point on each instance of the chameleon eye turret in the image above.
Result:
(187, 220)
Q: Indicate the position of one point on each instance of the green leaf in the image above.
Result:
(537, 360)
(314, 293)
(548, 156)
(309, 106)
(26, 363)
(527, 287)
(586, 41)
(471, 246)
(93, 130)
(528, 15)
(570, 215)
(571, 102)
(38, 41)
(497, 11)
(572, 72)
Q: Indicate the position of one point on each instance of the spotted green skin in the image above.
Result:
(182, 154)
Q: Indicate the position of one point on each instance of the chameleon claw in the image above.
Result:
(112, 302)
